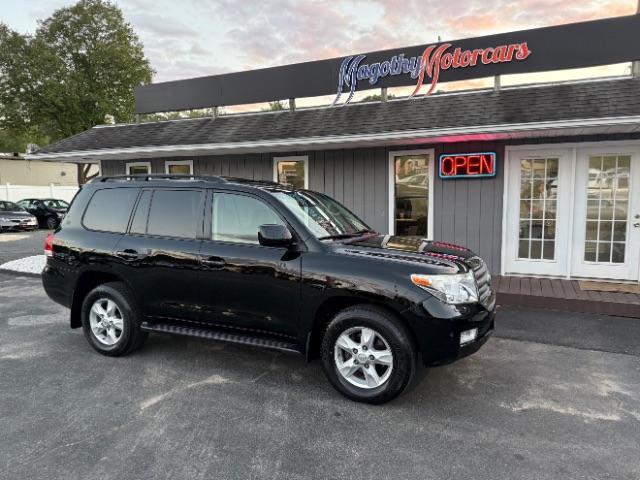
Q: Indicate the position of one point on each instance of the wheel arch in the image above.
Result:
(86, 282)
(330, 307)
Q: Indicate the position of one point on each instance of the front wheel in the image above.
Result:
(110, 320)
(368, 354)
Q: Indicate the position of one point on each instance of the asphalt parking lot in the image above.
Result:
(14, 245)
(524, 407)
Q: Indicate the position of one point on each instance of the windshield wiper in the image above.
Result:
(345, 235)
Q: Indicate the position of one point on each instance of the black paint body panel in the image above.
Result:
(269, 290)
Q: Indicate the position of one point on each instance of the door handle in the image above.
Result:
(213, 262)
(127, 254)
(637, 224)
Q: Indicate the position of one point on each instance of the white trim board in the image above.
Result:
(391, 187)
(135, 164)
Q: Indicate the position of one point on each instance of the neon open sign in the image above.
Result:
(467, 165)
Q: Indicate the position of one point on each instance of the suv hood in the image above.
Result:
(439, 256)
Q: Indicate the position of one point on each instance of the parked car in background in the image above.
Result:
(14, 217)
(263, 264)
(48, 211)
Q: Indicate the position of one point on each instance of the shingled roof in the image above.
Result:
(612, 98)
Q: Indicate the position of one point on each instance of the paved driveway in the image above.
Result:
(14, 245)
(522, 408)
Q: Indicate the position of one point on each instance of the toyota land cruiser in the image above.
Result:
(262, 264)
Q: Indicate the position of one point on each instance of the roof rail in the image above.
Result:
(147, 177)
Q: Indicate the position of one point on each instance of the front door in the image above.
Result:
(538, 212)
(244, 284)
(607, 214)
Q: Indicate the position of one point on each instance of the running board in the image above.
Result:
(223, 336)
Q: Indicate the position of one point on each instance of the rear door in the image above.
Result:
(159, 254)
(243, 283)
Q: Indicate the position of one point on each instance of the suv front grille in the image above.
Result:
(483, 281)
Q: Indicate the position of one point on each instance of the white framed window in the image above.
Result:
(138, 168)
(410, 194)
(178, 167)
(292, 171)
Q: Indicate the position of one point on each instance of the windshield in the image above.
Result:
(10, 207)
(326, 218)
(53, 203)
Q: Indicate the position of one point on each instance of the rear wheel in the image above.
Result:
(110, 320)
(368, 355)
(52, 223)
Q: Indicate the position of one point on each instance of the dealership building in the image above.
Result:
(541, 180)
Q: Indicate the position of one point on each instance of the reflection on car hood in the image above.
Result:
(439, 255)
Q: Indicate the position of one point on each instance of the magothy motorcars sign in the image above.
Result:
(434, 59)
(576, 45)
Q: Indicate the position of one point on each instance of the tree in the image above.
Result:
(81, 66)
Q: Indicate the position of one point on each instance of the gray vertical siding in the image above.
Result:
(467, 212)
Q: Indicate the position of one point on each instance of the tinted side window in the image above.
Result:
(139, 222)
(175, 213)
(109, 209)
(237, 218)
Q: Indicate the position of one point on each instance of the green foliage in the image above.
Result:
(81, 66)
(376, 98)
(158, 117)
(275, 106)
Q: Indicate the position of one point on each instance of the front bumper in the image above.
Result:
(27, 224)
(438, 326)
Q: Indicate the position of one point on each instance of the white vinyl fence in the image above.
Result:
(18, 192)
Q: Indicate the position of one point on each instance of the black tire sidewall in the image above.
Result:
(399, 342)
(51, 223)
(128, 319)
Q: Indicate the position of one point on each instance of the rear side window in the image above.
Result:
(109, 210)
(175, 213)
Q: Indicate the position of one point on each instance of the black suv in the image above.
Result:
(263, 264)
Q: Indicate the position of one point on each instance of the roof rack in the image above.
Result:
(147, 177)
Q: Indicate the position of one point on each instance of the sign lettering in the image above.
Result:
(467, 165)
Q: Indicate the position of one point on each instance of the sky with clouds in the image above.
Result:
(189, 38)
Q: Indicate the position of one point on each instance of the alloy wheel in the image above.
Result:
(106, 321)
(363, 357)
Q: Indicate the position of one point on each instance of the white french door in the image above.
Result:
(573, 211)
(538, 210)
(607, 214)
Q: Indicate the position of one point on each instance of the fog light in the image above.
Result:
(468, 336)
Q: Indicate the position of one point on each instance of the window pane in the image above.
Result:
(138, 169)
(139, 222)
(538, 194)
(607, 208)
(411, 194)
(291, 172)
(175, 213)
(237, 218)
(179, 169)
(109, 210)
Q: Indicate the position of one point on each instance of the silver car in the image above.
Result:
(14, 217)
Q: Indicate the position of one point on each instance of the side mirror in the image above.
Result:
(274, 236)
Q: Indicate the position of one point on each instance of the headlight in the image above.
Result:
(453, 289)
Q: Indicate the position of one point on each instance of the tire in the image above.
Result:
(52, 223)
(125, 339)
(389, 334)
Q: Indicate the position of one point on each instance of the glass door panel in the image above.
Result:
(604, 230)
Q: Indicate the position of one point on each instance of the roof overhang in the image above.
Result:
(514, 131)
